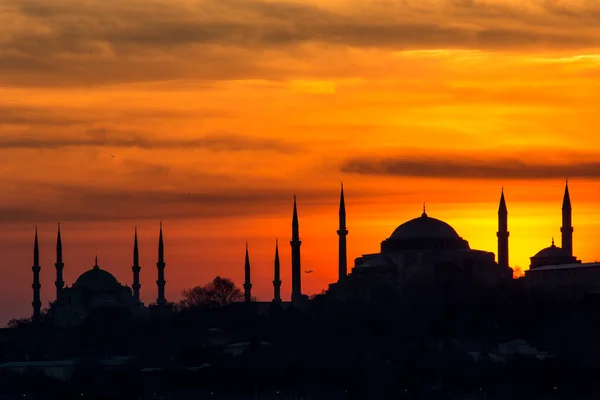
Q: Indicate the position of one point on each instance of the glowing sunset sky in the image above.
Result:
(211, 114)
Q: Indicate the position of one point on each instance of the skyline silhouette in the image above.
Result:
(211, 117)
(302, 272)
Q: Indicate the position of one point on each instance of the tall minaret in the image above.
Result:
(295, 243)
(60, 284)
(247, 284)
(342, 233)
(502, 233)
(37, 304)
(567, 229)
(277, 278)
(136, 269)
(161, 270)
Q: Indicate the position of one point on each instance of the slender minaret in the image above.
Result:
(60, 284)
(277, 278)
(502, 233)
(567, 229)
(247, 283)
(342, 233)
(37, 304)
(136, 269)
(295, 243)
(161, 270)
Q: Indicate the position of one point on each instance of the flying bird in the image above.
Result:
(309, 271)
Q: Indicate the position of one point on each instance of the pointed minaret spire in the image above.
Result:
(295, 243)
(36, 249)
(503, 233)
(502, 210)
(277, 278)
(247, 282)
(136, 258)
(161, 248)
(567, 227)
(58, 245)
(161, 269)
(59, 283)
(566, 198)
(342, 233)
(295, 224)
(37, 303)
(136, 268)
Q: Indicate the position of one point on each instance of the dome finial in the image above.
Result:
(96, 263)
(552, 241)
(424, 213)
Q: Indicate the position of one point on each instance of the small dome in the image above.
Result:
(97, 280)
(424, 227)
(552, 252)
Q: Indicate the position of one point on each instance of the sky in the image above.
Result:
(211, 114)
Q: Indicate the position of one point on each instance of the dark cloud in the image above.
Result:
(101, 137)
(462, 167)
(218, 39)
(55, 117)
(92, 203)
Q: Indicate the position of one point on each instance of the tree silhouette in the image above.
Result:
(220, 292)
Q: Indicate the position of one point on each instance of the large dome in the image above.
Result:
(97, 280)
(424, 227)
(424, 234)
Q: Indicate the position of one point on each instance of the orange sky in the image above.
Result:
(210, 114)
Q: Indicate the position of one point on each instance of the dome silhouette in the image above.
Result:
(552, 252)
(424, 227)
(97, 280)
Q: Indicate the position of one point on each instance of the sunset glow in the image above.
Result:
(211, 114)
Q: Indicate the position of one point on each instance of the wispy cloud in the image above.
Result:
(100, 137)
(63, 117)
(463, 166)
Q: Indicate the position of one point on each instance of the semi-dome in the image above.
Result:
(97, 280)
(424, 227)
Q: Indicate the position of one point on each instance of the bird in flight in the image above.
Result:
(309, 271)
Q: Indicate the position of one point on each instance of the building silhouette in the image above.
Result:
(557, 268)
(97, 289)
(421, 250)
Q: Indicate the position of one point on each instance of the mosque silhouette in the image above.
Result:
(423, 249)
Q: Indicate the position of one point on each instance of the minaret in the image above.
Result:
(567, 229)
(247, 284)
(37, 304)
(502, 233)
(342, 233)
(295, 243)
(277, 278)
(161, 270)
(60, 284)
(136, 269)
